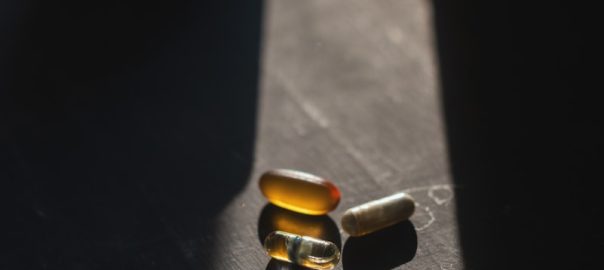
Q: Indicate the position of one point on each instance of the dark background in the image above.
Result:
(525, 130)
(131, 139)
(129, 126)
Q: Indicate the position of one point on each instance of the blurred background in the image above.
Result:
(132, 134)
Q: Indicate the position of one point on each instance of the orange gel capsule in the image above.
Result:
(300, 192)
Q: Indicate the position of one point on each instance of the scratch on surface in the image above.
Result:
(435, 193)
(416, 189)
(308, 108)
(358, 157)
(432, 190)
(432, 219)
(446, 266)
(432, 193)
(317, 116)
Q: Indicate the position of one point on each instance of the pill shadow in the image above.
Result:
(280, 265)
(273, 218)
(385, 249)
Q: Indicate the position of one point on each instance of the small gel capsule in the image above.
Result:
(300, 192)
(376, 215)
(302, 250)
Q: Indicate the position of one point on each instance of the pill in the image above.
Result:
(274, 218)
(375, 215)
(302, 250)
(300, 192)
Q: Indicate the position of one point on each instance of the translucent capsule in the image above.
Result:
(300, 192)
(274, 218)
(378, 214)
(302, 250)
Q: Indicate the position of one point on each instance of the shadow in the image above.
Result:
(524, 132)
(384, 249)
(273, 218)
(130, 125)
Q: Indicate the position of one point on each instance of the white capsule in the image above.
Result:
(376, 215)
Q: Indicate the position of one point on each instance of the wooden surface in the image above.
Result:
(137, 133)
(349, 92)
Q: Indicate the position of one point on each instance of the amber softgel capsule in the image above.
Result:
(302, 250)
(378, 214)
(299, 191)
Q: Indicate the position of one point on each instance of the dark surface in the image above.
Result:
(131, 129)
(133, 134)
(122, 141)
(524, 131)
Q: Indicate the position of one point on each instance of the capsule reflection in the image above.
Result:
(274, 264)
(274, 218)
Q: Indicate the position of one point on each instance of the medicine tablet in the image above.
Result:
(378, 214)
(302, 250)
(300, 192)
